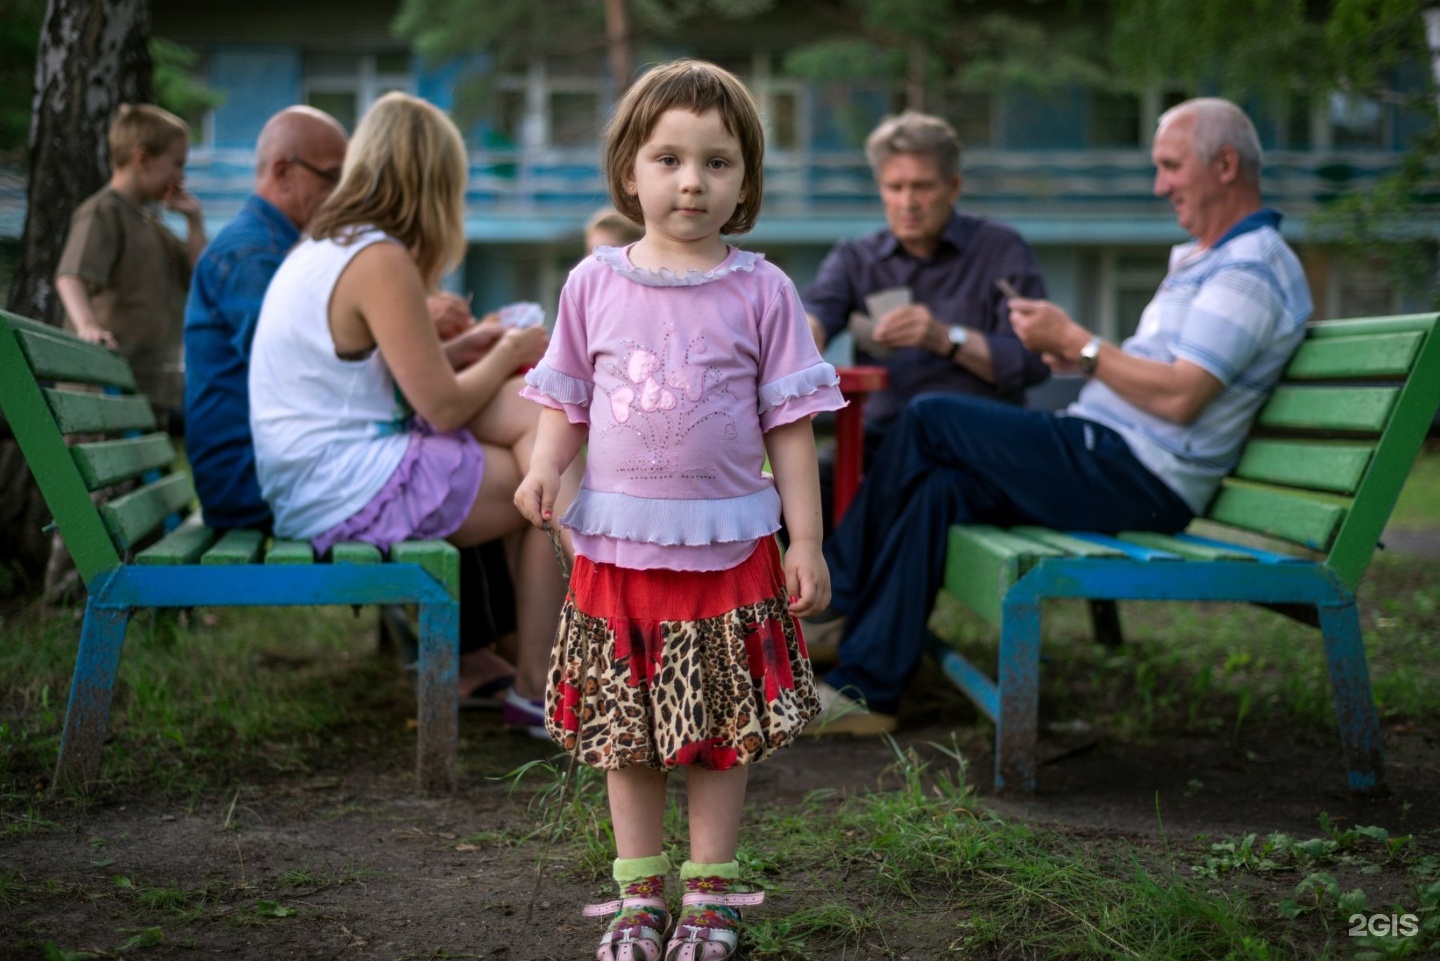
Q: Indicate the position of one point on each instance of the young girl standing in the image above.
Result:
(682, 362)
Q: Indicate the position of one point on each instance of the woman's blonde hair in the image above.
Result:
(698, 87)
(404, 174)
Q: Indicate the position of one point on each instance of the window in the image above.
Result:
(1356, 121)
(780, 110)
(1114, 119)
(574, 118)
(536, 110)
(344, 85)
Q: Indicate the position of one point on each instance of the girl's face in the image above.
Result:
(688, 177)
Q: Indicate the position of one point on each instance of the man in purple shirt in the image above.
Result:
(954, 335)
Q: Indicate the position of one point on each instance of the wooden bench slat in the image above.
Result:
(133, 516)
(1354, 409)
(1190, 550)
(439, 558)
(1349, 327)
(1309, 520)
(290, 552)
(103, 463)
(88, 413)
(354, 552)
(1074, 546)
(1336, 466)
(240, 546)
(55, 355)
(1259, 554)
(1355, 357)
(1132, 551)
(183, 545)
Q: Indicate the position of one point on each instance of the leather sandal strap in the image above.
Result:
(730, 899)
(610, 907)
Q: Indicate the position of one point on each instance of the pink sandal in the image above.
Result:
(708, 929)
(638, 937)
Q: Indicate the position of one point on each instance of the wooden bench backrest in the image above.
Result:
(1332, 447)
(54, 385)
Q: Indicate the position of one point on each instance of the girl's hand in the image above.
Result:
(535, 497)
(807, 579)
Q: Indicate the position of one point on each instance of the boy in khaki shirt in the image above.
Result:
(123, 276)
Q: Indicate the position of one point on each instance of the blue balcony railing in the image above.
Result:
(545, 195)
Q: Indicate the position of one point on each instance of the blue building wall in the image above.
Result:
(257, 81)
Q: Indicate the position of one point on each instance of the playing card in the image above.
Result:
(522, 314)
(881, 302)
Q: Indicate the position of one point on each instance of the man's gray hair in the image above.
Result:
(1219, 123)
(914, 133)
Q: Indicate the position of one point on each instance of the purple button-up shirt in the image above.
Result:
(957, 283)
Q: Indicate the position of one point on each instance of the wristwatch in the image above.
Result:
(1089, 356)
(958, 336)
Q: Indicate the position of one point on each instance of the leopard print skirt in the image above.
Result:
(667, 668)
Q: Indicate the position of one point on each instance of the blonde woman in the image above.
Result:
(367, 428)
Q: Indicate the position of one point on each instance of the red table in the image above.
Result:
(856, 383)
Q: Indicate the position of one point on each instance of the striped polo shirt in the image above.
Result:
(1238, 310)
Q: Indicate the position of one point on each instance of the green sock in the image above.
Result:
(636, 869)
(730, 870)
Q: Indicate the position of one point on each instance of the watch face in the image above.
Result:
(958, 335)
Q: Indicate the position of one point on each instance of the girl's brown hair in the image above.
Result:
(698, 87)
(404, 174)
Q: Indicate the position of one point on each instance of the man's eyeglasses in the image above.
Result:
(329, 176)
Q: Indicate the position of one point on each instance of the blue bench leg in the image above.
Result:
(438, 695)
(1354, 703)
(91, 690)
(1019, 682)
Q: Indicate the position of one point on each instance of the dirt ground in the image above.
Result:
(344, 861)
(348, 863)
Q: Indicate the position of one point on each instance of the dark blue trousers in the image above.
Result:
(951, 459)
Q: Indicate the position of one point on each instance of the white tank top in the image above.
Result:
(328, 432)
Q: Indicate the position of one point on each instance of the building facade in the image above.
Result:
(1069, 168)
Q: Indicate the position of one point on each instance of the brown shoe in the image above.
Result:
(845, 715)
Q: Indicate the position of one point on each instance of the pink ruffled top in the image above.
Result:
(678, 378)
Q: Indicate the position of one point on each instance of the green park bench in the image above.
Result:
(146, 548)
(1314, 486)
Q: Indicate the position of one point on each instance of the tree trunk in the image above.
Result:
(94, 55)
(915, 76)
(617, 38)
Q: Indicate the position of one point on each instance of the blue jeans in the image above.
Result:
(950, 459)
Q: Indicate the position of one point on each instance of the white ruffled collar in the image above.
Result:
(618, 260)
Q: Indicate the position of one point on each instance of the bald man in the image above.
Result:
(298, 159)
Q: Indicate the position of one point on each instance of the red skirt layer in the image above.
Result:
(666, 668)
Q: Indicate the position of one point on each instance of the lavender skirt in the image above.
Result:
(428, 496)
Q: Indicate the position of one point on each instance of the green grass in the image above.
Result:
(1419, 502)
(260, 690)
(277, 696)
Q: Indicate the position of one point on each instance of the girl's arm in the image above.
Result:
(380, 302)
(792, 459)
(557, 442)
